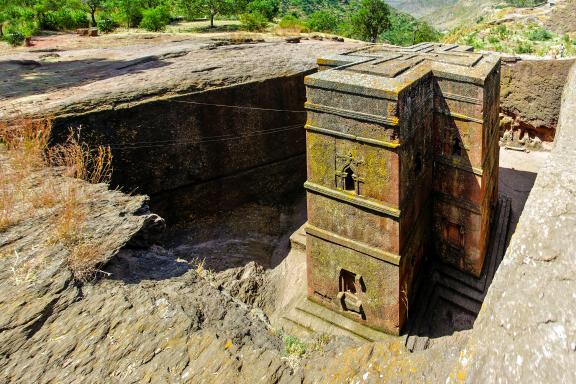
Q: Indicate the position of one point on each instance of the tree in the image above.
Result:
(371, 19)
(323, 21)
(209, 8)
(129, 10)
(93, 6)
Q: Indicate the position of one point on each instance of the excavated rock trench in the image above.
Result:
(194, 307)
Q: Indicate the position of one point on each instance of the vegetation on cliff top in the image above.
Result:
(517, 31)
(370, 20)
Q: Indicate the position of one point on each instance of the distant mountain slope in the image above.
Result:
(563, 17)
(445, 14)
(419, 8)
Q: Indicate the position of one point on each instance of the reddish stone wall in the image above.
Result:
(531, 95)
(196, 158)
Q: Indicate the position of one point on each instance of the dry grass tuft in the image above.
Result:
(81, 162)
(289, 31)
(24, 154)
(47, 195)
(26, 140)
(85, 256)
(71, 217)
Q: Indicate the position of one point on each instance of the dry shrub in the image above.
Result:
(292, 31)
(81, 162)
(7, 211)
(25, 144)
(84, 258)
(10, 191)
(25, 271)
(26, 140)
(47, 195)
(242, 37)
(71, 216)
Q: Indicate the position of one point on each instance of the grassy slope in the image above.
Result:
(419, 8)
(516, 30)
(445, 14)
(462, 12)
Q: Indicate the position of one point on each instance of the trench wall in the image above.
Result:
(196, 154)
(526, 332)
(531, 94)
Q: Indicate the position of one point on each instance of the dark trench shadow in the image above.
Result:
(133, 266)
(253, 232)
(19, 78)
(256, 231)
(448, 300)
(517, 185)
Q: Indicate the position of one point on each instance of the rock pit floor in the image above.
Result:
(197, 308)
(260, 233)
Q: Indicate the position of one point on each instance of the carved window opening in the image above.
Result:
(454, 234)
(456, 147)
(417, 164)
(347, 281)
(347, 178)
(349, 182)
(350, 284)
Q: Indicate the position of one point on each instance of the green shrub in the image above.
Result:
(155, 19)
(474, 41)
(254, 21)
(502, 31)
(64, 19)
(293, 346)
(322, 21)
(291, 22)
(524, 47)
(525, 3)
(106, 24)
(267, 8)
(540, 34)
(493, 39)
(14, 38)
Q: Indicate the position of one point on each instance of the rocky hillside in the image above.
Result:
(445, 14)
(449, 14)
(541, 31)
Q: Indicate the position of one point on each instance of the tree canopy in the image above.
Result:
(370, 20)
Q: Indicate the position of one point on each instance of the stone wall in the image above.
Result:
(526, 330)
(531, 95)
(206, 151)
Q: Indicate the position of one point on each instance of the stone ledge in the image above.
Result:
(525, 331)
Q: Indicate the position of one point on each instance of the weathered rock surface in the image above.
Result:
(98, 79)
(531, 95)
(150, 317)
(160, 322)
(526, 330)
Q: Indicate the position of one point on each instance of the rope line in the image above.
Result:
(205, 138)
(235, 106)
(208, 140)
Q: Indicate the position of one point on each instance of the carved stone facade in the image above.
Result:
(402, 162)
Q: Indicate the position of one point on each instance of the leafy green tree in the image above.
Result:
(423, 32)
(371, 19)
(323, 21)
(155, 19)
(93, 6)
(129, 11)
(254, 21)
(267, 8)
(210, 8)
